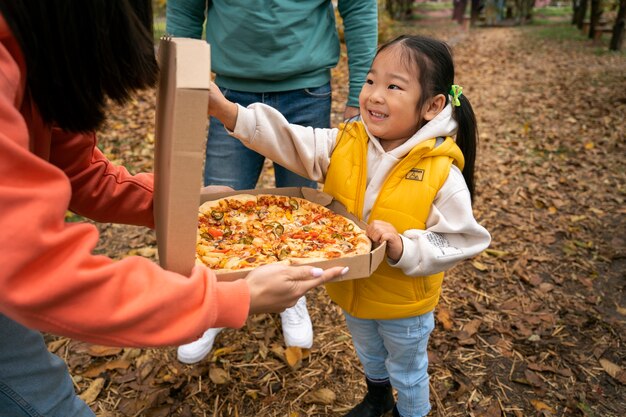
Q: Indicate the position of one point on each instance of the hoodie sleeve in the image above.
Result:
(452, 233)
(303, 150)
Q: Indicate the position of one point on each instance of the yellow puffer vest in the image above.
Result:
(404, 201)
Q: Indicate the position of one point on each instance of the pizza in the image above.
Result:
(244, 231)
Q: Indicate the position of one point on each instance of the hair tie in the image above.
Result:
(456, 91)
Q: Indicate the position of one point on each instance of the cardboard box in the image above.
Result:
(180, 136)
(361, 266)
(180, 141)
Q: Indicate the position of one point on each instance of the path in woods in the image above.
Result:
(534, 326)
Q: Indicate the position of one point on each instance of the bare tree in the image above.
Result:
(399, 9)
(594, 17)
(618, 30)
(458, 12)
(581, 12)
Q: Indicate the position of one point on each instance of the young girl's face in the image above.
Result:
(389, 99)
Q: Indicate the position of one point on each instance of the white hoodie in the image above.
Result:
(452, 234)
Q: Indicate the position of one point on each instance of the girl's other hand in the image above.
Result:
(380, 231)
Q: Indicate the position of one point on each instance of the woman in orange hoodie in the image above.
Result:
(60, 60)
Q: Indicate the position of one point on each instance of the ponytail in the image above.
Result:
(467, 139)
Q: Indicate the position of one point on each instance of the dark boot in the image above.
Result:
(378, 400)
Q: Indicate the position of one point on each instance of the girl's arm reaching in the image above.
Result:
(303, 150)
(452, 233)
(221, 108)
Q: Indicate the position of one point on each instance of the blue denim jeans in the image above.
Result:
(228, 162)
(33, 381)
(396, 349)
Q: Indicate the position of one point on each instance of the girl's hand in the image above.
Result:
(221, 108)
(275, 287)
(210, 189)
(380, 231)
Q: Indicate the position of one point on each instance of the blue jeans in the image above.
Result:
(396, 349)
(33, 381)
(228, 162)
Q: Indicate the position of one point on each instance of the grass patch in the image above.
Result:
(429, 7)
(566, 32)
(559, 32)
(554, 11)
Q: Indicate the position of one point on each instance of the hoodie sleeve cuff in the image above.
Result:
(410, 256)
(225, 294)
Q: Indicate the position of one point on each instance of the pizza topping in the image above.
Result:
(245, 231)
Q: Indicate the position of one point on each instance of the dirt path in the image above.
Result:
(532, 327)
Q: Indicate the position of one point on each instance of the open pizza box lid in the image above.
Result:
(180, 136)
(361, 266)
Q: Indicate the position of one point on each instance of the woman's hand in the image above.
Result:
(380, 231)
(221, 108)
(275, 287)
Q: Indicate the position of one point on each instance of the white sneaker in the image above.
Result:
(196, 351)
(297, 327)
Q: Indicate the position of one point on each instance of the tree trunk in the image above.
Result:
(618, 30)
(594, 17)
(575, 7)
(582, 11)
(475, 12)
(459, 10)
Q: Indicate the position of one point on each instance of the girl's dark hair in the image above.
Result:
(80, 52)
(436, 76)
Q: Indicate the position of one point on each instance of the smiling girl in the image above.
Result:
(406, 167)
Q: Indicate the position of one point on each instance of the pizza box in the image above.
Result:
(361, 266)
(180, 140)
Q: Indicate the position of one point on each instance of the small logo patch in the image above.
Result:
(415, 174)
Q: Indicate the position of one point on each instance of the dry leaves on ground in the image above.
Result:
(533, 326)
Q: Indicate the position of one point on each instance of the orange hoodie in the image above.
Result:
(49, 278)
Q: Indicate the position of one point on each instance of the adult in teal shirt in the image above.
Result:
(278, 52)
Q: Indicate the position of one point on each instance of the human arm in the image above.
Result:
(301, 149)
(185, 18)
(452, 233)
(360, 21)
(52, 282)
(50, 279)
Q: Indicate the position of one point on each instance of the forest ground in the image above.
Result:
(534, 326)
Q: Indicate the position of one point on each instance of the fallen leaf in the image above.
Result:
(99, 351)
(98, 369)
(293, 357)
(218, 375)
(496, 253)
(541, 406)
(614, 370)
(223, 351)
(480, 266)
(92, 392)
(321, 396)
(443, 315)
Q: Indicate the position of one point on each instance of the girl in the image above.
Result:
(398, 168)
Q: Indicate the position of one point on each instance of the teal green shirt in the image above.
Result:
(278, 45)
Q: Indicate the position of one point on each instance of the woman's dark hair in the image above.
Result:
(436, 76)
(79, 52)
